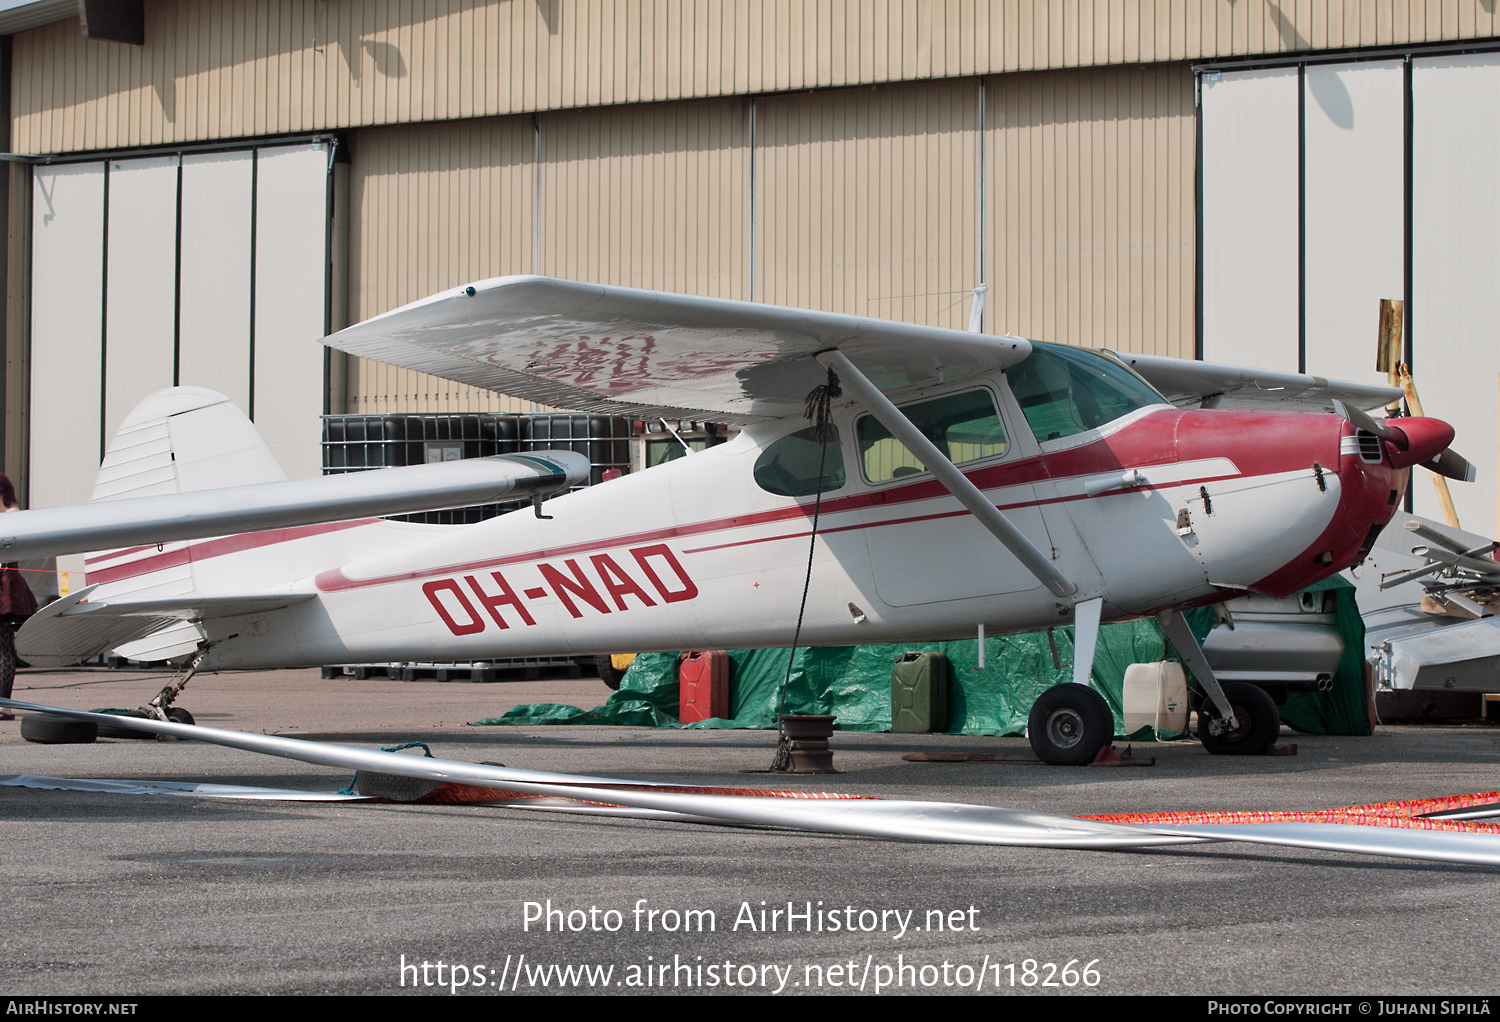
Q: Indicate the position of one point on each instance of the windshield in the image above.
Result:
(1063, 390)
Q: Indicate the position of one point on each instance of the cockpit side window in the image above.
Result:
(789, 466)
(964, 426)
(1063, 390)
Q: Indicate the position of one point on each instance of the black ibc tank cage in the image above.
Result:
(357, 443)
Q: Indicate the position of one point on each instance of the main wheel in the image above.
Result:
(1069, 724)
(45, 729)
(178, 715)
(1259, 722)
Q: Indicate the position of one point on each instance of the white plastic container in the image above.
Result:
(1156, 696)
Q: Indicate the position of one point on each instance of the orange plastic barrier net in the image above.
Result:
(1406, 815)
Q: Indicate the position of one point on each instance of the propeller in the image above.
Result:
(1412, 439)
(1450, 463)
(1370, 424)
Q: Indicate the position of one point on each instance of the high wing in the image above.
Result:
(392, 491)
(1191, 384)
(625, 351)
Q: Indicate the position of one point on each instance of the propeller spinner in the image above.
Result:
(1415, 441)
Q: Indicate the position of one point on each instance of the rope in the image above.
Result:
(817, 409)
(348, 789)
(921, 294)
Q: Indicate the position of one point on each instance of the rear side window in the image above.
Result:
(789, 466)
(963, 426)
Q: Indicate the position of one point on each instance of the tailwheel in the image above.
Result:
(1069, 724)
(1259, 722)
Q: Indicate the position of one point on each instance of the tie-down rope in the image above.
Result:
(348, 789)
(818, 410)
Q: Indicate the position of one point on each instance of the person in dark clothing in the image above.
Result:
(16, 604)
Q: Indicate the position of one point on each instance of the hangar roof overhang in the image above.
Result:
(20, 15)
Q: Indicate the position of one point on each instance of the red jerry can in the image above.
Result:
(704, 679)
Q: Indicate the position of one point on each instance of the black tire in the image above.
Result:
(116, 731)
(607, 672)
(181, 716)
(1069, 724)
(45, 729)
(1260, 723)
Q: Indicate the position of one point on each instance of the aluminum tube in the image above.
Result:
(141, 521)
(958, 484)
(900, 819)
(1467, 560)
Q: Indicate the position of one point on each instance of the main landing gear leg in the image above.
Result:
(161, 707)
(1237, 718)
(1070, 723)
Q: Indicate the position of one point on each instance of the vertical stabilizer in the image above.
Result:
(180, 440)
(177, 440)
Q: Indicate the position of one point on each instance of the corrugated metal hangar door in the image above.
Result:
(199, 269)
(1307, 172)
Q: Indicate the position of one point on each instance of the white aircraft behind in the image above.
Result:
(965, 480)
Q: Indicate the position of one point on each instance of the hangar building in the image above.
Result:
(198, 189)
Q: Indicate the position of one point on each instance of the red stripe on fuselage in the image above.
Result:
(1148, 442)
(217, 548)
(957, 514)
(1151, 441)
(117, 554)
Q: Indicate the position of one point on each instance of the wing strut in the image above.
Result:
(948, 474)
(1180, 634)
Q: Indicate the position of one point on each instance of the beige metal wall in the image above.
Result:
(654, 195)
(235, 68)
(431, 207)
(867, 200)
(648, 196)
(1091, 209)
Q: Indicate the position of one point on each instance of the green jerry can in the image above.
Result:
(919, 693)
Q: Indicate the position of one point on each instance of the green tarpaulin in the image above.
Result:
(1345, 710)
(853, 682)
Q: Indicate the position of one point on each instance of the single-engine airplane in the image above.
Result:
(953, 480)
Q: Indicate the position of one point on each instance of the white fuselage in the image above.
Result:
(695, 554)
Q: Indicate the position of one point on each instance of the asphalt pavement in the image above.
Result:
(153, 894)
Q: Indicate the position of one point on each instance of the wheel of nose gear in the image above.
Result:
(1260, 723)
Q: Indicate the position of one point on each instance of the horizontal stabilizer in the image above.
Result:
(144, 521)
(1192, 384)
(70, 630)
